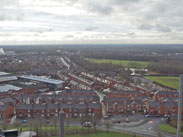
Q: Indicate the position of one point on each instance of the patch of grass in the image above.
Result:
(124, 63)
(168, 129)
(172, 82)
(102, 134)
(48, 128)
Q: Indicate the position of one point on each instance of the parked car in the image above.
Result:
(105, 117)
(24, 121)
(47, 121)
(110, 115)
(148, 115)
(87, 124)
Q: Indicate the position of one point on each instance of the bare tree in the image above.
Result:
(95, 121)
(35, 124)
(4, 124)
(17, 123)
(67, 122)
(107, 124)
(55, 122)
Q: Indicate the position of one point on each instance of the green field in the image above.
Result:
(98, 134)
(103, 134)
(168, 129)
(124, 63)
(47, 128)
(172, 82)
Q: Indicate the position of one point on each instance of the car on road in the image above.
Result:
(105, 117)
(110, 115)
(116, 121)
(148, 115)
(87, 124)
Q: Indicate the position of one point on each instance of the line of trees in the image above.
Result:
(90, 66)
(168, 67)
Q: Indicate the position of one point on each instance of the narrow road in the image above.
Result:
(147, 129)
(27, 134)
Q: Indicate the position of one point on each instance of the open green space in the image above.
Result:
(124, 63)
(172, 82)
(102, 134)
(46, 128)
(50, 128)
(167, 129)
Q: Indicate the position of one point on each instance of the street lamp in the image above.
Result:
(179, 107)
(61, 121)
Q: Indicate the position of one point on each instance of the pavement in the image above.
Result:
(27, 134)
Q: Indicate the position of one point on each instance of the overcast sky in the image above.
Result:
(91, 21)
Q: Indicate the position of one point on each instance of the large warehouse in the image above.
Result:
(5, 77)
(52, 83)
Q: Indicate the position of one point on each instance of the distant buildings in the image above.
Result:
(6, 88)
(52, 84)
(6, 77)
(74, 103)
(2, 51)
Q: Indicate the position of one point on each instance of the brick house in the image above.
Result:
(159, 95)
(24, 111)
(115, 107)
(125, 94)
(37, 110)
(75, 92)
(153, 107)
(6, 111)
(134, 106)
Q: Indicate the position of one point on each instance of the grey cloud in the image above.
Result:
(69, 36)
(91, 28)
(11, 14)
(123, 2)
(145, 27)
(8, 3)
(99, 8)
(10, 10)
(163, 28)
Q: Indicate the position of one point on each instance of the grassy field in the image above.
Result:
(99, 134)
(47, 128)
(172, 82)
(168, 129)
(125, 63)
(102, 134)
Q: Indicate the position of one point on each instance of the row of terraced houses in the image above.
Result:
(159, 103)
(81, 103)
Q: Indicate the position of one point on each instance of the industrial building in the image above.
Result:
(6, 88)
(51, 83)
(6, 77)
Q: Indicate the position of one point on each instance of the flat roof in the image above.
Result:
(3, 73)
(7, 78)
(42, 79)
(6, 88)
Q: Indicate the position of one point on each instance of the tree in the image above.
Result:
(67, 122)
(55, 122)
(4, 124)
(35, 124)
(124, 75)
(95, 121)
(107, 124)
